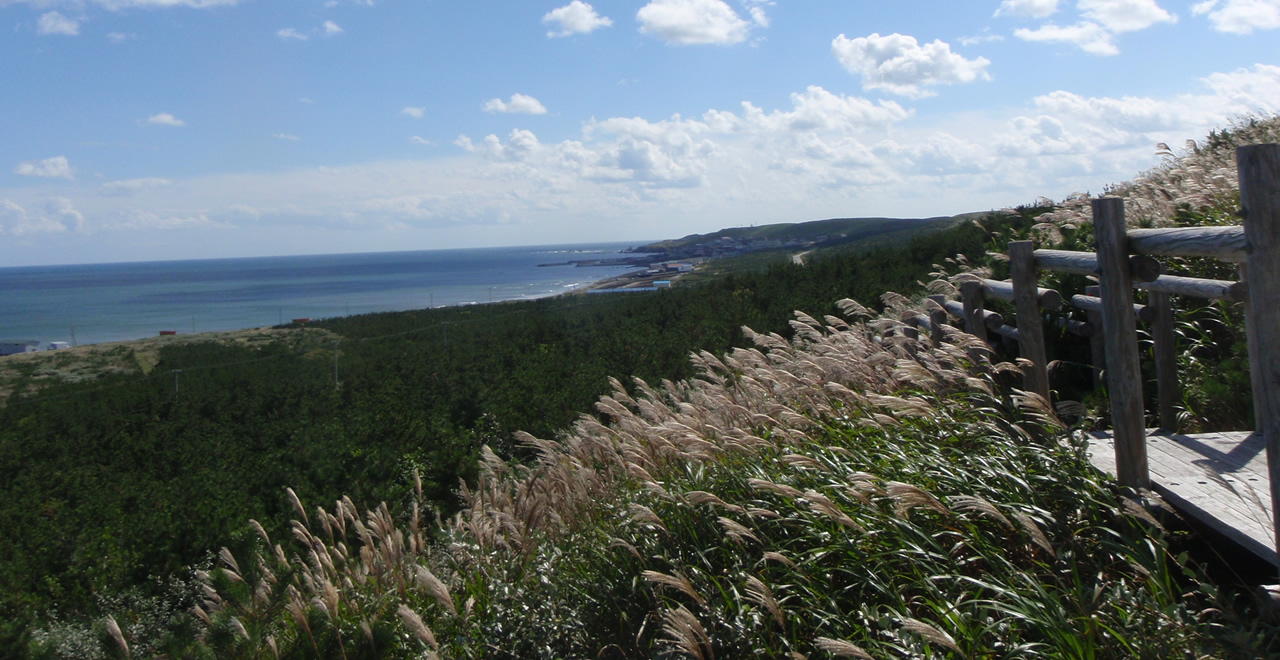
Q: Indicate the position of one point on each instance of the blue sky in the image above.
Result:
(174, 129)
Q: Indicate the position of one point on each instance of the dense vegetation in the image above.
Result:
(115, 486)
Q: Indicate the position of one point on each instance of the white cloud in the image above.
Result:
(577, 17)
(306, 99)
(421, 141)
(55, 168)
(290, 33)
(898, 64)
(164, 119)
(1241, 16)
(120, 37)
(127, 187)
(688, 22)
(289, 137)
(416, 113)
(1089, 37)
(58, 213)
(55, 23)
(1119, 16)
(1100, 21)
(331, 29)
(519, 103)
(1031, 8)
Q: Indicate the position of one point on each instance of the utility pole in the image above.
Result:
(73, 336)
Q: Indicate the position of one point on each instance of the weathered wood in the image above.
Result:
(1142, 268)
(937, 319)
(1197, 288)
(1074, 327)
(1164, 345)
(1225, 243)
(1094, 304)
(974, 320)
(1219, 479)
(1097, 352)
(1124, 375)
(1258, 167)
(1047, 298)
(1022, 274)
(991, 319)
(1255, 375)
(1008, 332)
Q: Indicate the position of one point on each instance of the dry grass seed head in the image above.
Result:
(907, 497)
(687, 633)
(415, 625)
(678, 582)
(760, 593)
(736, 531)
(930, 634)
(840, 648)
(980, 506)
(1033, 530)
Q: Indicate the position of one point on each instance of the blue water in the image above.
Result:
(114, 302)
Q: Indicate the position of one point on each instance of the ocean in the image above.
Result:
(113, 302)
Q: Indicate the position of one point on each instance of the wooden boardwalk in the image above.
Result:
(1219, 479)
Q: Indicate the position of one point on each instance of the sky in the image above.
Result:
(140, 130)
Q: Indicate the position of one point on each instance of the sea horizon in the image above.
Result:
(119, 301)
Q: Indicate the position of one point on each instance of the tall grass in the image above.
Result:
(852, 493)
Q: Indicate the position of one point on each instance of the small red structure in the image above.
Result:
(164, 333)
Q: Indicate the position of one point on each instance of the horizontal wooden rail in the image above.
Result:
(1142, 268)
(1198, 288)
(1049, 299)
(1093, 304)
(992, 319)
(1074, 327)
(1008, 332)
(1225, 243)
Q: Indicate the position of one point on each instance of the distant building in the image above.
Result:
(662, 284)
(57, 345)
(11, 347)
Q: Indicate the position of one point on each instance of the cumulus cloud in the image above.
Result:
(689, 22)
(577, 17)
(330, 28)
(1031, 8)
(55, 23)
(1089, 37)
(1124, 15)
(519, 103)
(1240, 16)
(290, 33)
(416, 113)
(54, 168)
(898, 63)
(57, 216)
(1101, 21)
(164, 119)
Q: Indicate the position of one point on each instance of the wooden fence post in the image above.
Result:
(1097, 348)
(1164, 345)
(1124, 376)
(974, 305)
(1258, 167)
(1026, 299)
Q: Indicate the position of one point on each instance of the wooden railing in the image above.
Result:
(1124, 261)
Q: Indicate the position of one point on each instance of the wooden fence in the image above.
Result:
(1126, 260)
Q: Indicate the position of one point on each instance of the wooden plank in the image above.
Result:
(1258, 167)
(1219, 479)
(1141, 268)
(1124, 375)
(1225, 243)
(1164, 340)
(1022, 273)
(1197, 287)
(1097, 352)
(974, 317)
(1089, 303)
(1048, 298)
